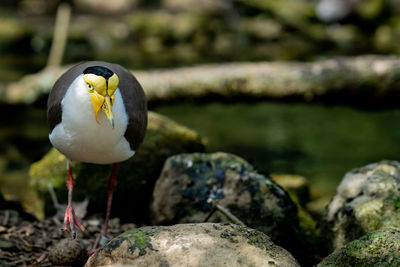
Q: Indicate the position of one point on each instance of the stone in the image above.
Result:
(188, 182)
(379, 248)
(192, 245)
(316, 207)
(70, 252)
(297, 186)
(136, 177)
(298, 189)
(366, 200)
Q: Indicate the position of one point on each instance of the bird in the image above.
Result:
(97, 113)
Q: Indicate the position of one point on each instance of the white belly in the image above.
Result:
(80, 138)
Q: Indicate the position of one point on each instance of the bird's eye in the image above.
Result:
(89, 86)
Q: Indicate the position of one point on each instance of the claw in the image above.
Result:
(71, 220)
(69, 216)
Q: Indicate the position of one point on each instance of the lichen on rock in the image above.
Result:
(193, 245)
(379, 248)
(366, 200)
(190, 182)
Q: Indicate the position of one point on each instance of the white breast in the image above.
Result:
(80, 138)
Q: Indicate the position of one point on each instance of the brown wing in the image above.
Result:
(135, 104)
(131, 91)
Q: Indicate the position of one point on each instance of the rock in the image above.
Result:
(297, 186)
(136, 177)
(68, 252)
(366, 200)
(188, 181)
(316, 207)
(206, 244)
(379, 248)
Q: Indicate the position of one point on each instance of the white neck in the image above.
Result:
(81, 137)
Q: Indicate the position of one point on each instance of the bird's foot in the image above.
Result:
(91, 252)
(99, 244)
(104, 240)
(71, 220)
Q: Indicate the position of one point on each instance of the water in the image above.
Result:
(319, 142)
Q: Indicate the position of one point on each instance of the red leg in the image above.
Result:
(70, 218)
(112, 182)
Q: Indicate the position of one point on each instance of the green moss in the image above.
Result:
(141, 241)
(140, 238)
(380, 248)
(369, 214)
(231, 236)
(394, 198)
(52, 168)
(148, 231)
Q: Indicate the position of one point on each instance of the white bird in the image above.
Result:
(97, 113)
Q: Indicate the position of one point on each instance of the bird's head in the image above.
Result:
(101, 84)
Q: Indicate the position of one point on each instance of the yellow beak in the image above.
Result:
(103, 102)
(107, 109)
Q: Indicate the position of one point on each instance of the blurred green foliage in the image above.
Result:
(170, 33)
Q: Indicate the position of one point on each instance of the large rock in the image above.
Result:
(380, 248)
(297, 186)
(136, 177)
(366, 200)
(192, 245)
(189, 181)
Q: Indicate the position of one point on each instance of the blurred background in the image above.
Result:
(318, 141)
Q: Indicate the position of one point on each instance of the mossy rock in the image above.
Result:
(379, 248)
(297, 186)
(189, 182)
(367, 199)
(136, 177)
(194, 245)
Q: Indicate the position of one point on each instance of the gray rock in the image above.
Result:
(189, 181)
(366, 200)
(71, 252)
(379, 248)
(192, 245)
(297, 186)
(136, 177)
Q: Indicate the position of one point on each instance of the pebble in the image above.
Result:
(68, 252)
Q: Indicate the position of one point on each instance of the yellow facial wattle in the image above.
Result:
(113, 82)
(102, 93)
